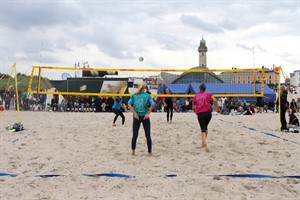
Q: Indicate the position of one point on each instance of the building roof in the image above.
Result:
(168, 77)
(212, 77)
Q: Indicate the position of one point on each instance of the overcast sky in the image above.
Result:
(167, 34)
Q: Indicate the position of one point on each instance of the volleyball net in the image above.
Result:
(123, 82)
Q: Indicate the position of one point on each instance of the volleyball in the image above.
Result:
(141, 59)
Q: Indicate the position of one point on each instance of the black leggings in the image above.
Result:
(204, 119)
(282, 117)
(169, 112)
(119, 112)
(136, 126)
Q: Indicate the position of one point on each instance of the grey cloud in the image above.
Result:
(245, 47)
(170, 41)
(197, 23)
(289, 57)
(228, 24)
(24, 15)
(239, 15)
(253, 48)
(260, 48)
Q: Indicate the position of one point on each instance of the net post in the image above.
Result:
(17, 92)
(279, 100)
(262, 81)
(39, 81)
(29, 90)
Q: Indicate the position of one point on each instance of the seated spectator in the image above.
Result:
(98, 104)
(54, 104)
(63, 105)
(247, 111)
(271, 106)
(265, 107)
(109, 104)
(293, 106)
(293, 119)
(82, 102)
(103, 104)
(251, 108)
(93, 104)
(77, 103)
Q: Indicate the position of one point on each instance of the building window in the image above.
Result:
(270, 77)
(202, 54)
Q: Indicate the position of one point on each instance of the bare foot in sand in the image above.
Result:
(204, 145)
(206, 149)
(133, 152)
(151, 155)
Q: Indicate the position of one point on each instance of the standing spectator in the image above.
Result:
(42, 101)
(169, 106)
(223, 102)
(12, 95)
(7, 100)
(147, 90)
(2, 92)
(283, 108)
(259, 103)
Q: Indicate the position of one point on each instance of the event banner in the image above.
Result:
(92, 85)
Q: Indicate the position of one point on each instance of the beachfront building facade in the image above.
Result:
(295, 82)
(295, 78)
(271, 77)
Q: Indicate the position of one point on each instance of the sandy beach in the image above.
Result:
(71, 144)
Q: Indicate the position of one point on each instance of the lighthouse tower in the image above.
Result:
(202, 49)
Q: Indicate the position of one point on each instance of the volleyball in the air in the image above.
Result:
(141, 59)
